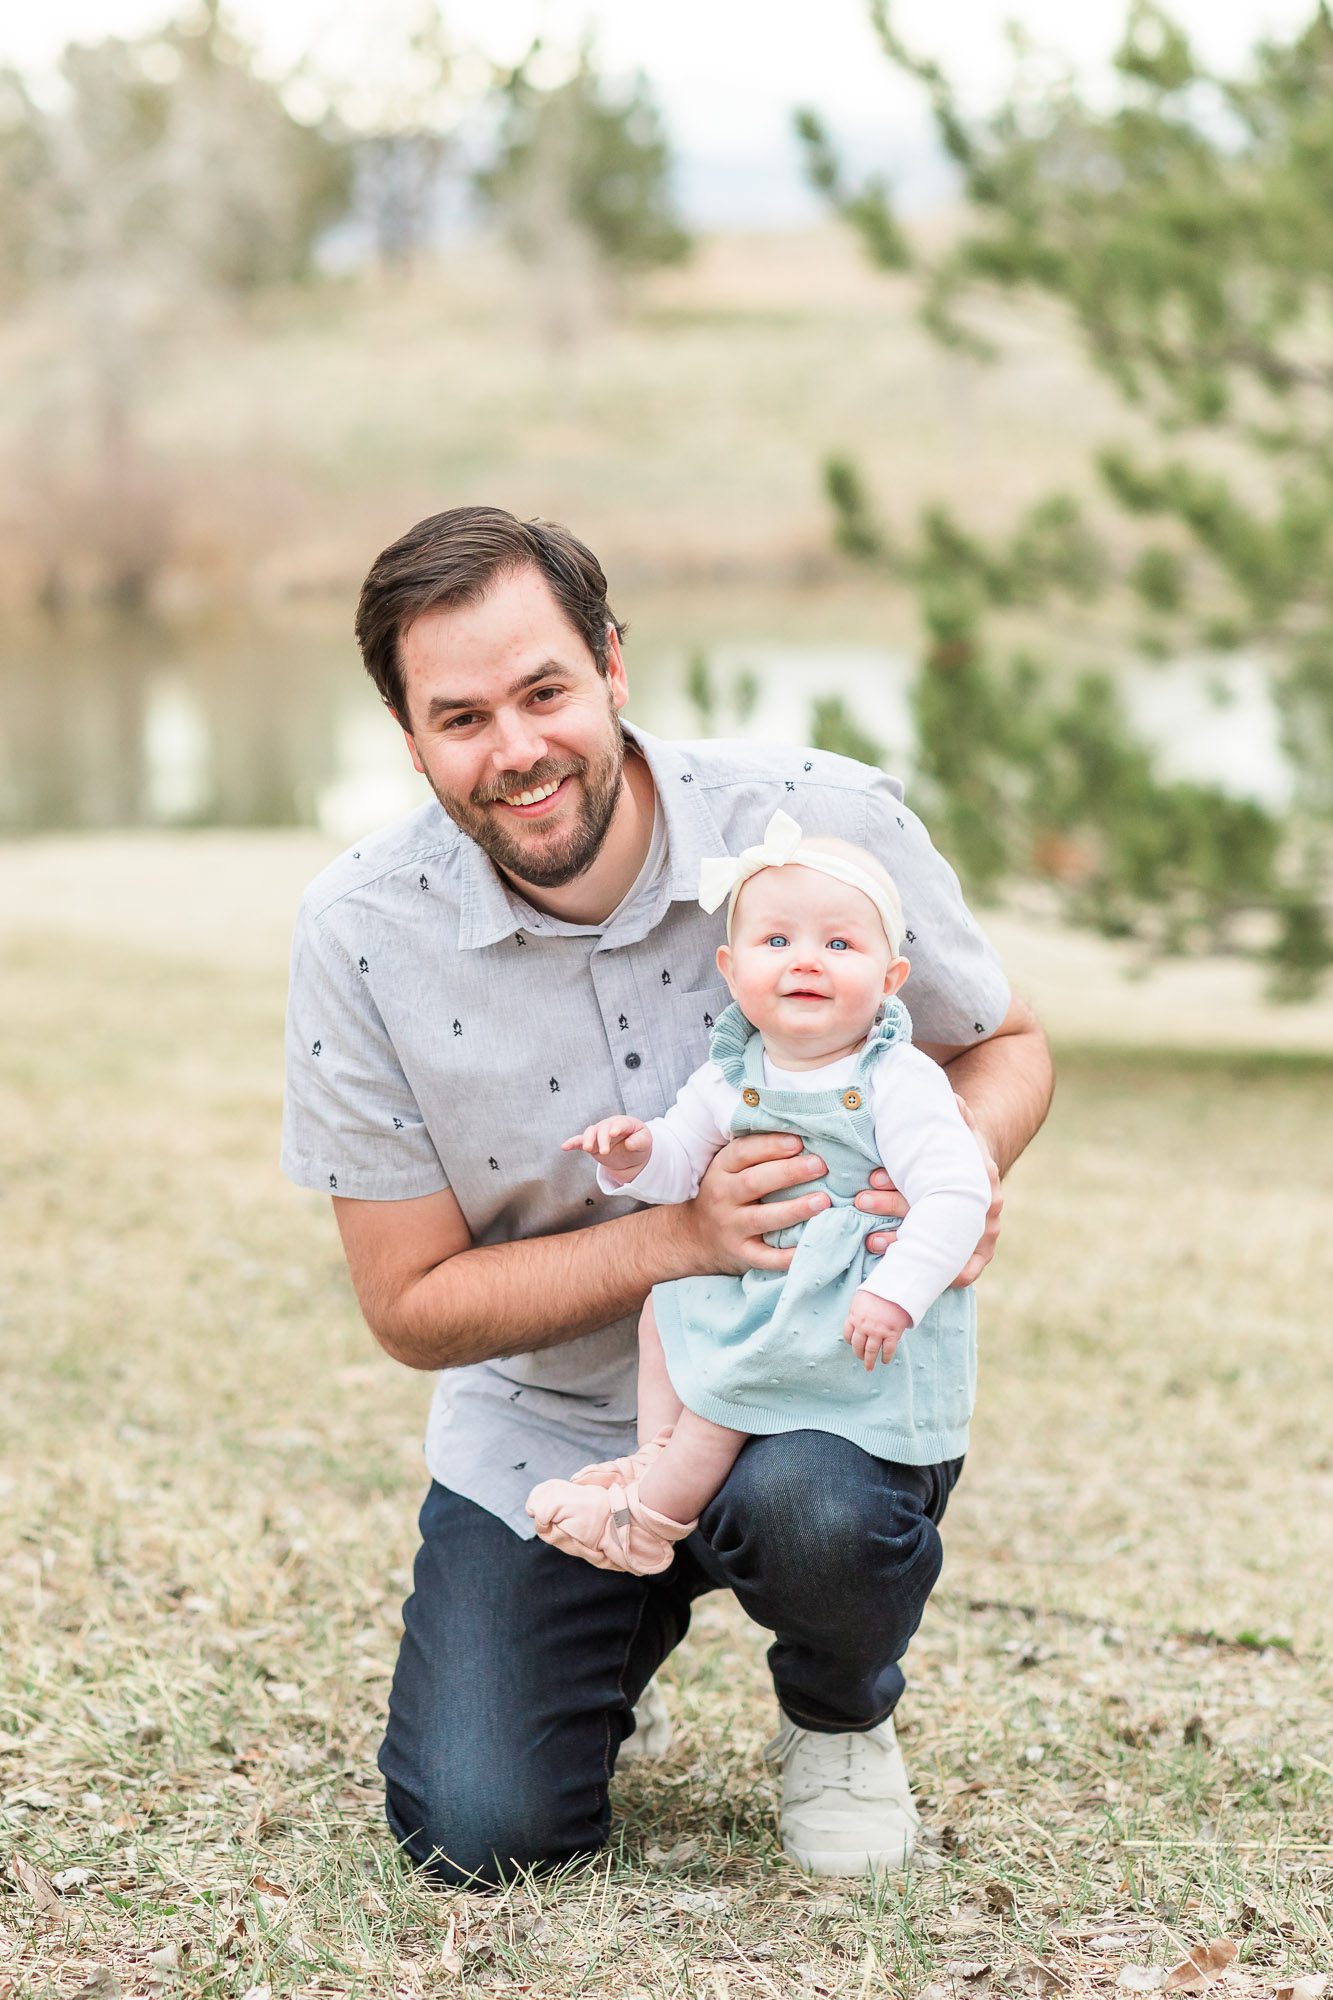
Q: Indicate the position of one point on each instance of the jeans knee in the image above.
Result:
(483, 1842)
(815, 1510)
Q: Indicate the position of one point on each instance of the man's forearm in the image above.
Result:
(1007, 1083)
(511, 1298)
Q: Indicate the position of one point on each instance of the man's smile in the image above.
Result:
(536, 802)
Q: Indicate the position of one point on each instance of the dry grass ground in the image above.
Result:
(1119, 1719)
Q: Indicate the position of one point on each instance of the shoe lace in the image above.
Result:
(833, 1759)
(847, 1761)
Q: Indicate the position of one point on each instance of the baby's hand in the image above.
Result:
(619, 1145)
(874, 1327)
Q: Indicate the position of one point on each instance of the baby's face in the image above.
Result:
(809, 961)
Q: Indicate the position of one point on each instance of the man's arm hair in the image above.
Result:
(1007, 1081)
(432, 1300)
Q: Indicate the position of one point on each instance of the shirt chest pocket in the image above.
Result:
(685, 1022)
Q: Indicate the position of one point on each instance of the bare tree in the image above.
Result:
(168, 172)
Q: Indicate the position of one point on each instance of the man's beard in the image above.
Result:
(551, 863)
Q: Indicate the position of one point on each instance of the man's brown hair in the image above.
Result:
(454, 558)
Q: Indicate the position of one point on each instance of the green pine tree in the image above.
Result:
(1185, 230)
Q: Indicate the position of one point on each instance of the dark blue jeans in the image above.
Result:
(520, 1665)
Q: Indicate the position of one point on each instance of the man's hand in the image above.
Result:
(725, 1225)
(620, 1145)
(883, 1198)
(874, 1327)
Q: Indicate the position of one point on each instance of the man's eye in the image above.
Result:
(545, 691)
(459, 721)
(778, 941)
(838, 944)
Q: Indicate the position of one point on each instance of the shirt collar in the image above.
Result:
(489, 910)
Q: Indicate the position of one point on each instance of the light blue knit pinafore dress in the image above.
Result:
(764, 1352)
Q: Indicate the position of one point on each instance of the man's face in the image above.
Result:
(504, 701)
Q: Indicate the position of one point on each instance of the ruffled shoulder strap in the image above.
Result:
(728, 1042)
(894, 1026)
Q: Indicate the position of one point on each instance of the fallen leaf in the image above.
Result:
(449, 1959)
(1205, 1963)
(103, 1985)
(1044, 1980)
(1313, 1986)
(262, 1884)
(257, 1993)
(999, 1898)
(71, 1880)
(698, 1899)
(684, 1850)
(166, 1958)
(1141, 1978)
(33, 1883)
(35, 1796)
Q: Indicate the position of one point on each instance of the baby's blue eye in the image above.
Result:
(838, 944)
(778, 941)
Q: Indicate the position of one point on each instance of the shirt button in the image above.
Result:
(633, 1059)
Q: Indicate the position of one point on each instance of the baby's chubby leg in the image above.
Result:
(658, 1404)
(626, 1525)
(692, 1469)
(630, 1512)
(693, 1457)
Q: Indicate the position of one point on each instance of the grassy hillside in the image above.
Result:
(684, 440)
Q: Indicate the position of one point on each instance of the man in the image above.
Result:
(471, 985)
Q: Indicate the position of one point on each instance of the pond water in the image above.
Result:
(248, 723)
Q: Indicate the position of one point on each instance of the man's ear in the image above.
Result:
(616, 677)
(410, 741)
(896, 974)
(724, 966)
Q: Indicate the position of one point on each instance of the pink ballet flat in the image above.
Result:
(625, 1471)
(608, 1526)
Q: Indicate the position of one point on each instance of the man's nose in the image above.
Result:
(518, 743)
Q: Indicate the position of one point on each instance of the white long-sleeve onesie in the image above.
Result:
(921, 1138)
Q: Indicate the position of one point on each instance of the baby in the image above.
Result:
(815, 1043)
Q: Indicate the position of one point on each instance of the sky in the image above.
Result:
(727, 72)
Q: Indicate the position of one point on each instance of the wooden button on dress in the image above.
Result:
(751, 1097)
(852, 1099)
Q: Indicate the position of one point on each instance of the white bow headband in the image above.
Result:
(722, 877)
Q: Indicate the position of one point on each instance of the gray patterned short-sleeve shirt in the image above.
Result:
(442, 1032)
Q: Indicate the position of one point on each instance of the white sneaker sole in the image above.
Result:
(829, 1861)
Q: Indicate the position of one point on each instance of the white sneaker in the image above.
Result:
(653, 1735)
(846, 1802)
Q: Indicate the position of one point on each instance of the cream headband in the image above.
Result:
(724, 876)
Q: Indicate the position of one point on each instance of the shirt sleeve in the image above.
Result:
(957, 993)
(351, 1125)
(934, 1162)
(685, 1138)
